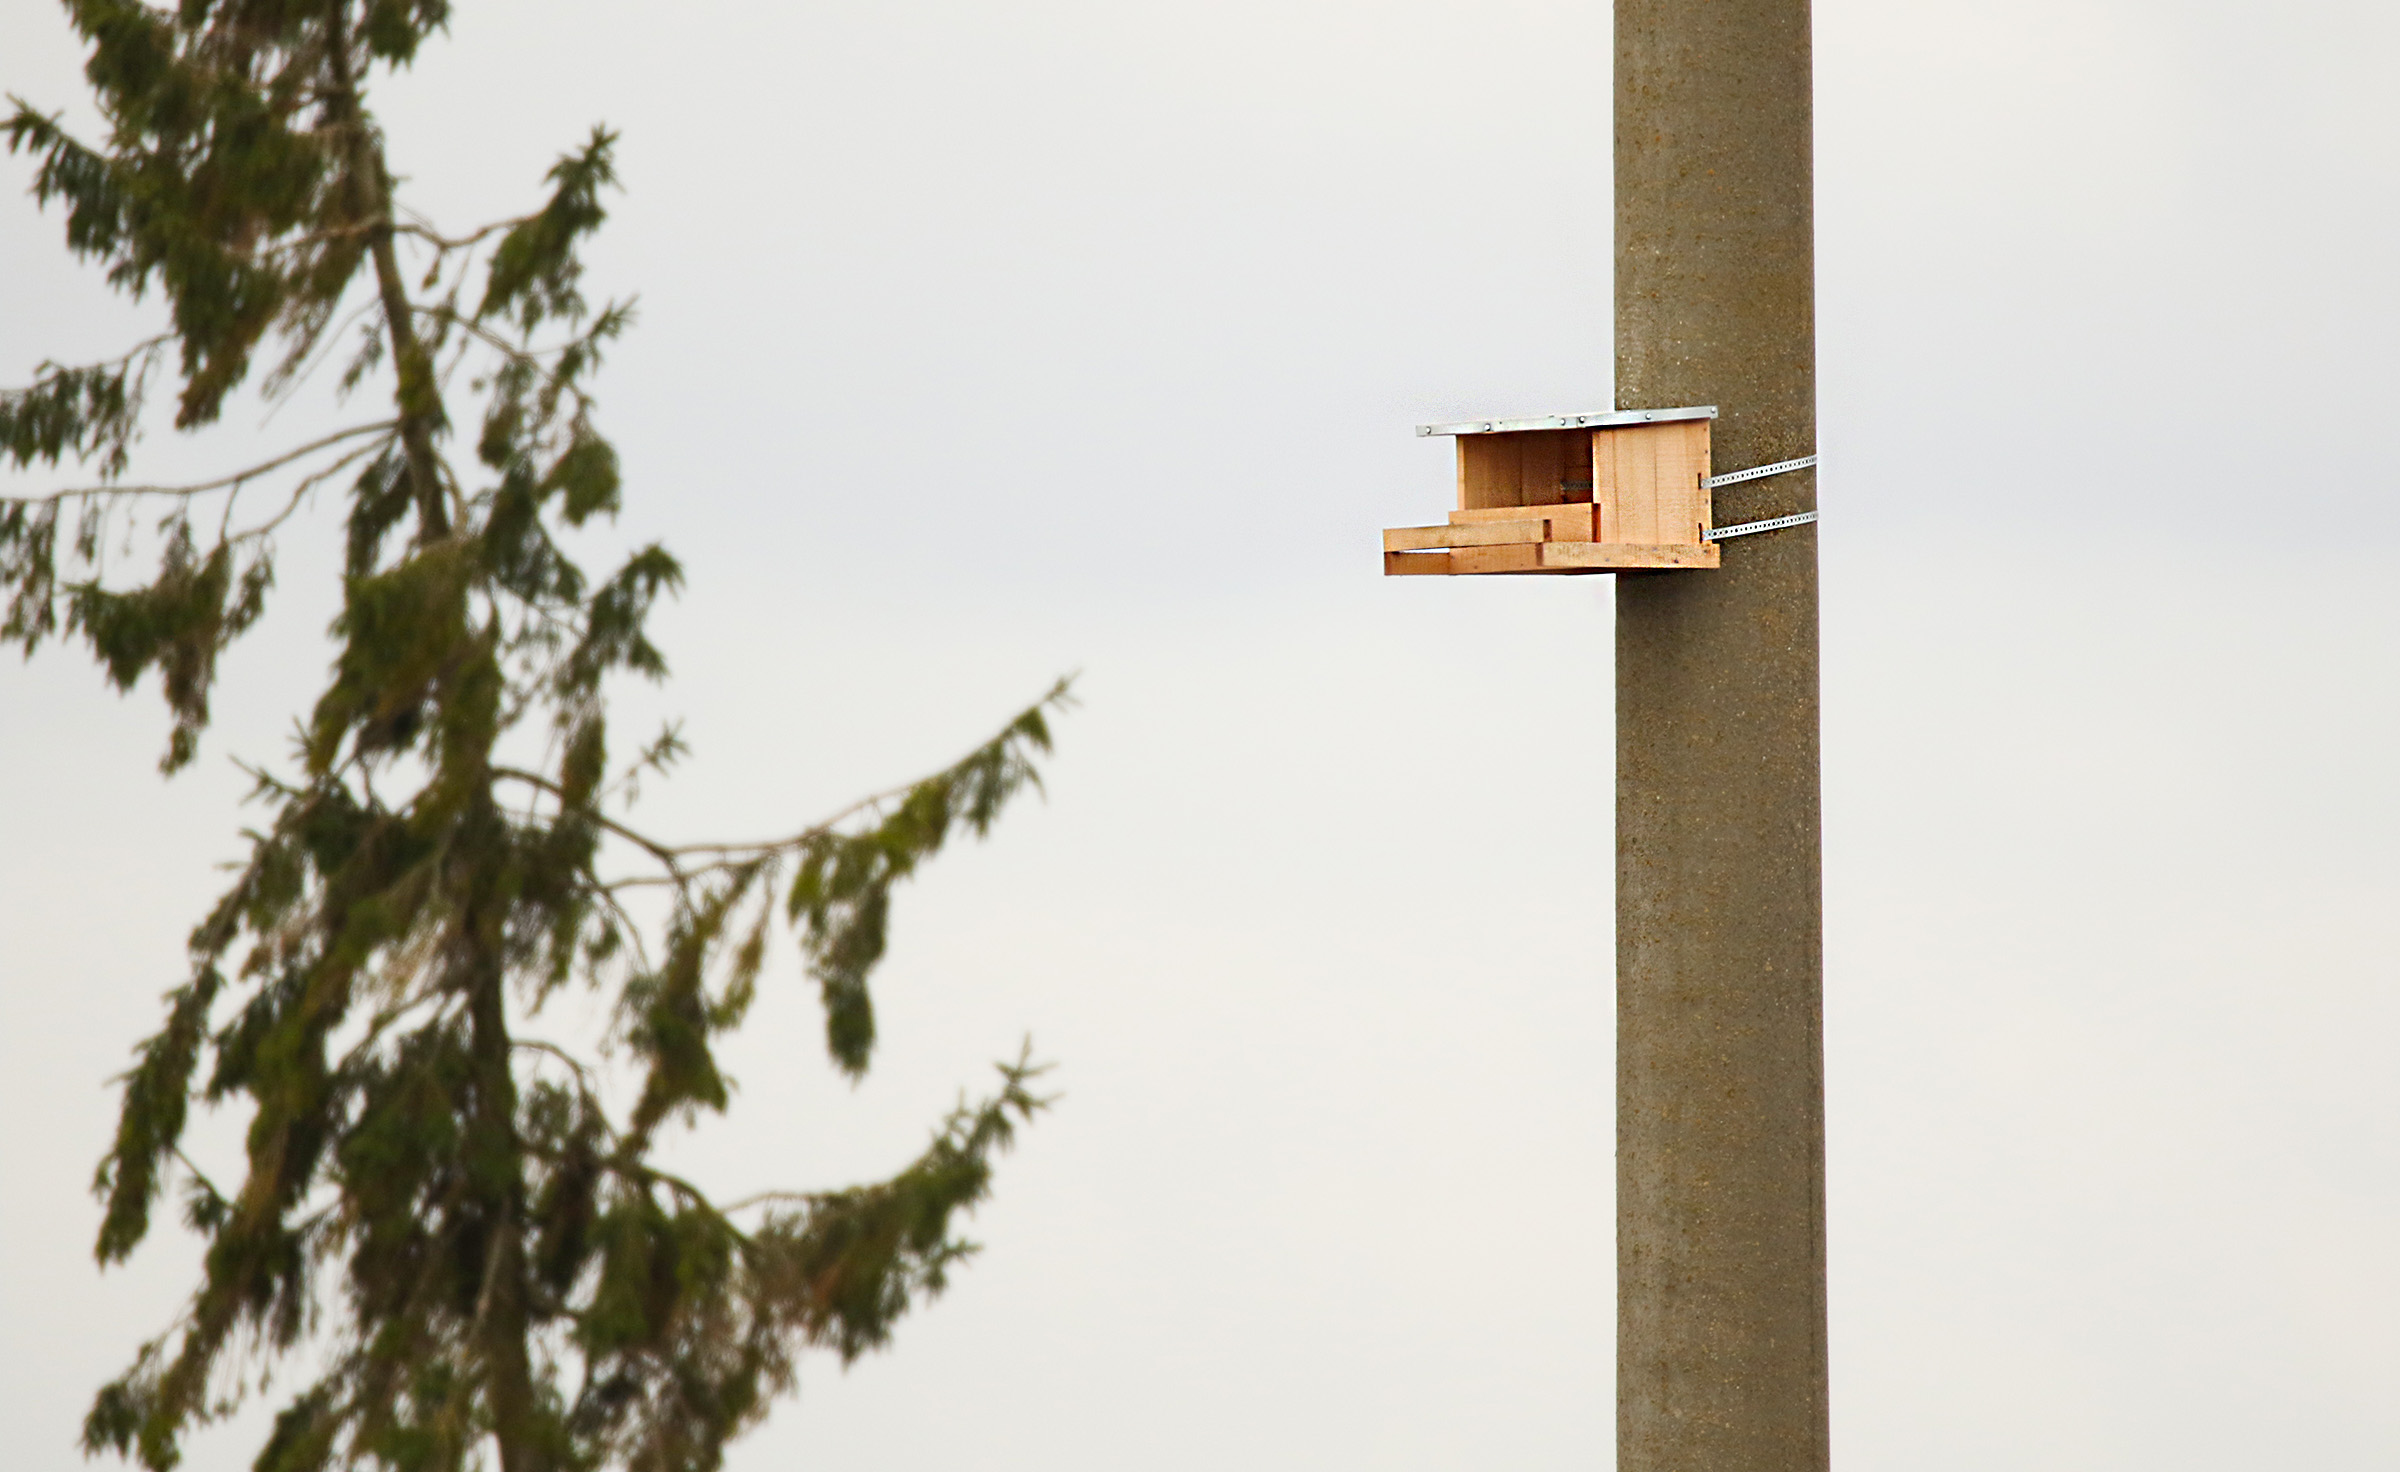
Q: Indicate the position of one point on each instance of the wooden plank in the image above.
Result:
(1515, 557)
(1504, 513)
(1624, 482)
(1682, 465)
(1615, 556)
(1518, 555)
(1479, 534)
(1571, 522)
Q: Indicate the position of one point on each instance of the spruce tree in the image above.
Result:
(469, 1258)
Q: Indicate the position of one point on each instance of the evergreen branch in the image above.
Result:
(662, 753)
(124, 359)
(1058, 696)
(657, 850)
(416, 394)
(483, 1221)
(93, 410)
(535, 270)
(202, 488)
(749, 851)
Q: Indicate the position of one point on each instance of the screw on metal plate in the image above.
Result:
(1719, 534)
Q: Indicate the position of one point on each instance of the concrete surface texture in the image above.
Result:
(1721, 1349)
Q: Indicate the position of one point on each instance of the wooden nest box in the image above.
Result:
(1572, 493)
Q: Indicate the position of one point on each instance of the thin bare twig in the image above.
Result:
(302, 373)
(299, 493)
(382, 1022)
(583, 1076)
(448, 314)
(202, 488)
(802, 1198)
(636, 1170)
(814, 830)
(670, 854)
(321, 237)
(416, 226)
(197, 1173)
(632, 929)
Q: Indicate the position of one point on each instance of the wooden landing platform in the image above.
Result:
(1529, 539)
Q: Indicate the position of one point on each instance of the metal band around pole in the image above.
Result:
(1759, 472)
(1719, 534)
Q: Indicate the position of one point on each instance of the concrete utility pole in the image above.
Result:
(1720, 1062)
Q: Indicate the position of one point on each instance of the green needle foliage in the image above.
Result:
(444, 1227)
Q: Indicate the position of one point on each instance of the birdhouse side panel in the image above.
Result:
(1647, 482)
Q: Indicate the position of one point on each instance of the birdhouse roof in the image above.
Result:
(1604, 419)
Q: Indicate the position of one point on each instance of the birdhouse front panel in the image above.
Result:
(1585, 493)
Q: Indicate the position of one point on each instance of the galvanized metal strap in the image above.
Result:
(1759, 472)
(1604, 419)
(1719, 534)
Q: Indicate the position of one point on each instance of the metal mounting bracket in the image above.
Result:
(1759, 472)
(1719, 534)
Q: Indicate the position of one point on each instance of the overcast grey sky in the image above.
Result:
(980, 343)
